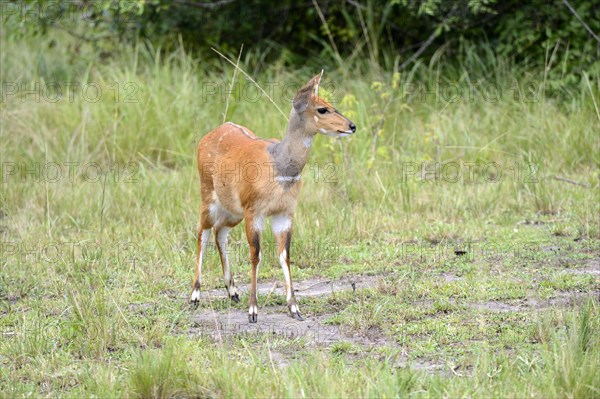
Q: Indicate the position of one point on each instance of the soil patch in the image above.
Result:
(220, 325)
(305, 288)
(562, 299)
(592, 268)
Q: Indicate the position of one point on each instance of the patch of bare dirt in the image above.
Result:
(305, 288)
(563, 299)
(273, 320)
(220, 325)
(592, 268)
(495, 306)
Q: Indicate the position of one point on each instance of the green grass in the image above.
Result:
(563, 364)
(95, 275)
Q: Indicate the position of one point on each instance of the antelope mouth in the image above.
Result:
(344, 133)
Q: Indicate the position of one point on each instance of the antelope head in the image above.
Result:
(319, 115)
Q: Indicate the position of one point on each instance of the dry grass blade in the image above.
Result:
(237, 67)
(252, 80)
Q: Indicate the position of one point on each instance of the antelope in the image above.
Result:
(245, 177)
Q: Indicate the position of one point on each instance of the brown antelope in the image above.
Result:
(243, 176)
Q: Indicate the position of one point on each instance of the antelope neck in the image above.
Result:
(291, 154)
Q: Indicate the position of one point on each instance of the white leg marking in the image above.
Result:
(257, 223)
(222, 237)
(222, 243)
(213, 212)
(294, 309)
(253, 309)
(203, 243)
(219, 215)
(280, 224)
(286, 274)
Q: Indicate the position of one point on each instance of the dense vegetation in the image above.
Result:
(307, 32)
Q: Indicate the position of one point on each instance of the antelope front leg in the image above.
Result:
(282, 230)
(253, 230)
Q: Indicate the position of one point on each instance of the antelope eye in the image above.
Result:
(322, 110)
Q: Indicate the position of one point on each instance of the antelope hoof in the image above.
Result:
(253, 314)
(235, 298)
(195, 298)
(297, 316)
(295, 312)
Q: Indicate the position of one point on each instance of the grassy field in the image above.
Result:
(450, 248)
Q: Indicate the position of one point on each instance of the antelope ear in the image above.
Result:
(317, 79)
(304, 95)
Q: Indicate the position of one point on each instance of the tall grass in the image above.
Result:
(482, 111)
